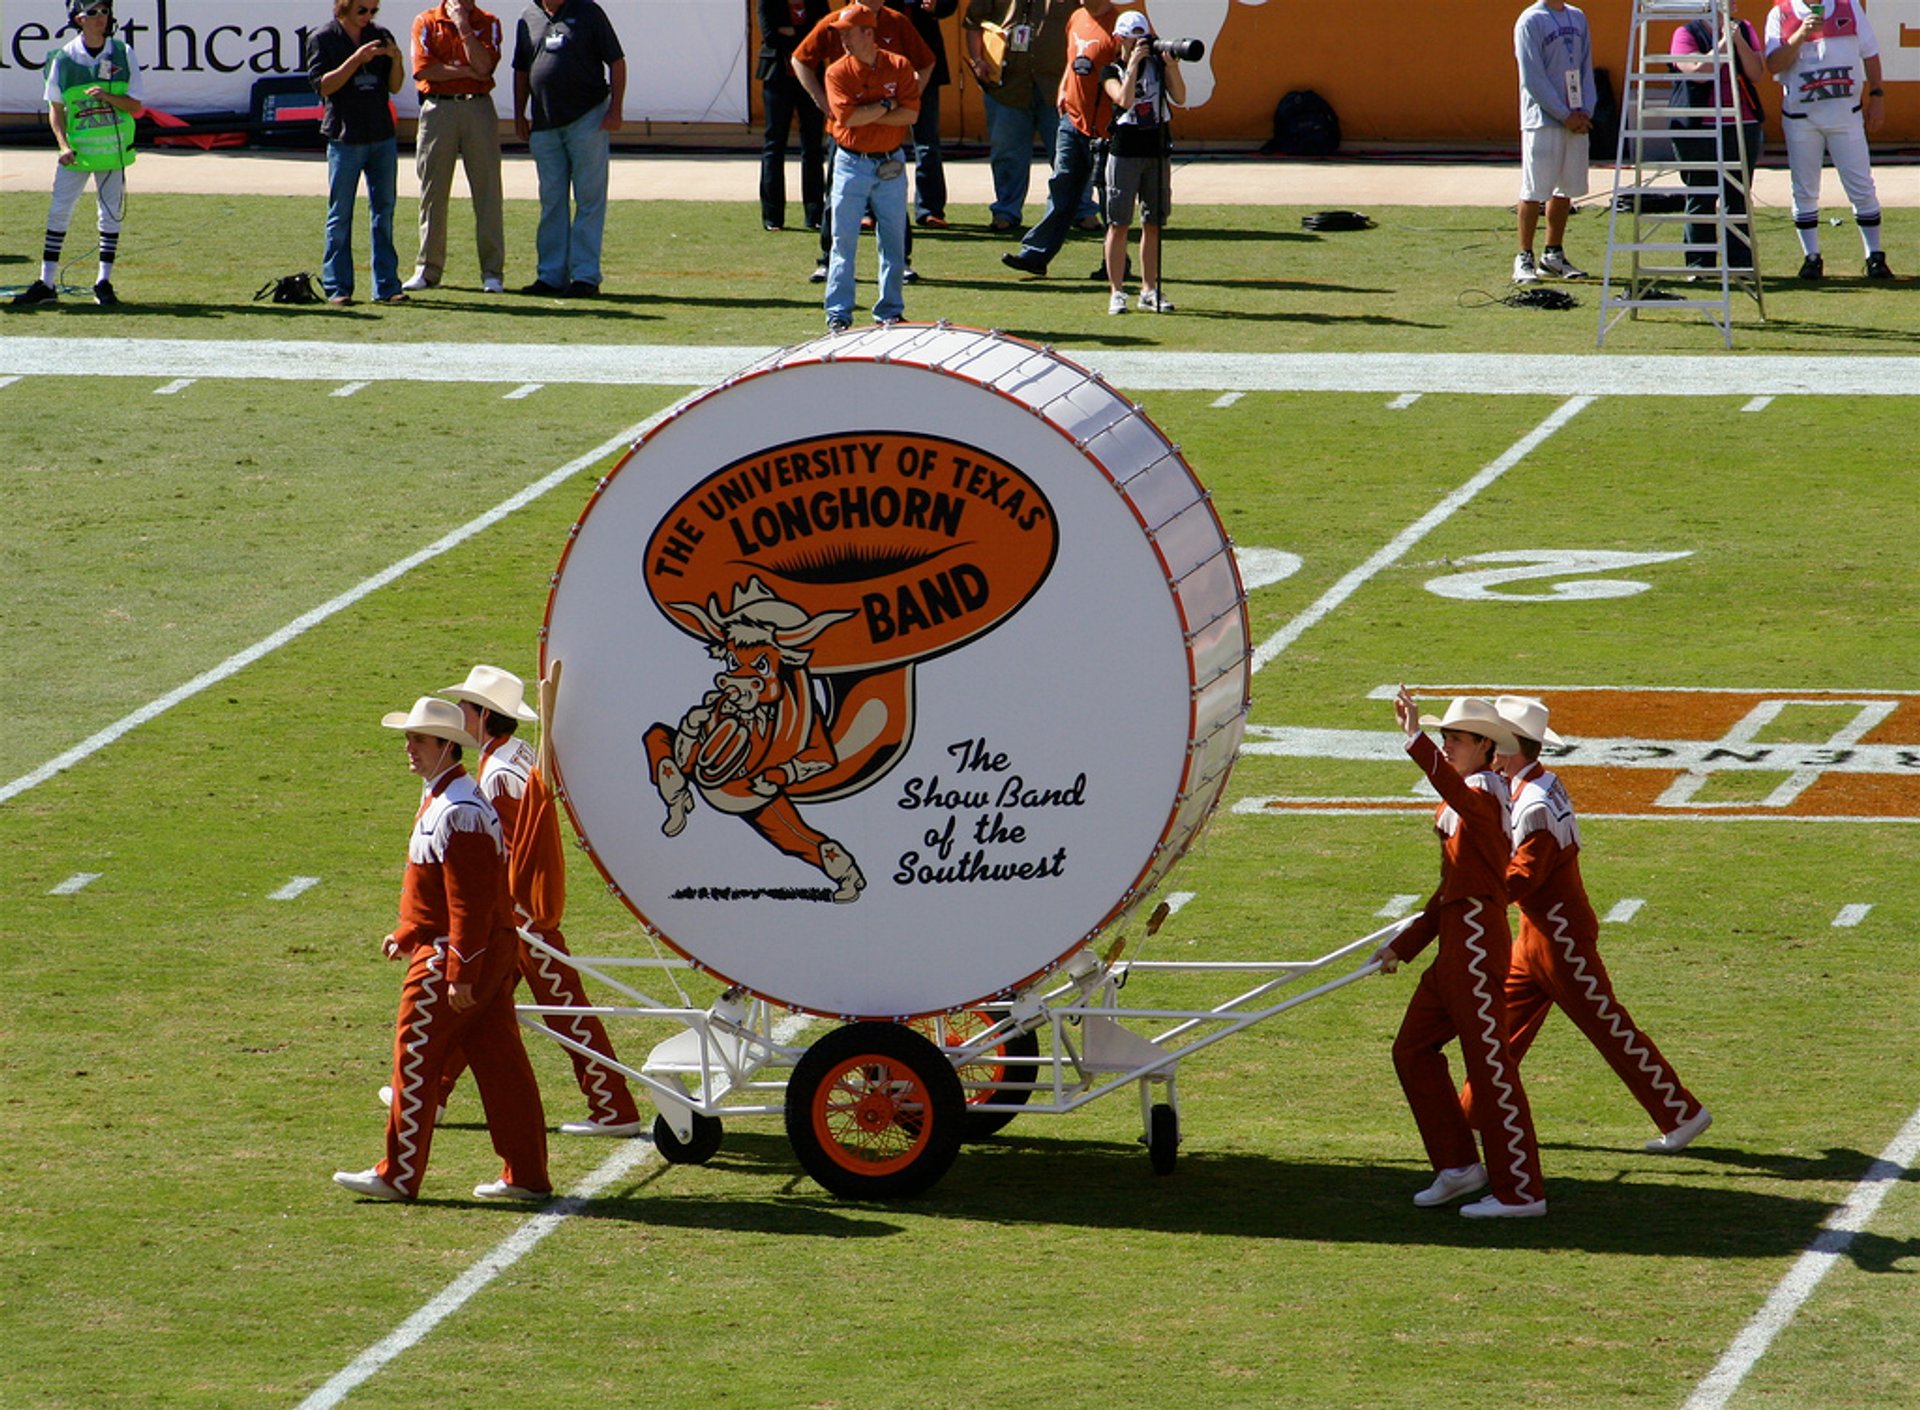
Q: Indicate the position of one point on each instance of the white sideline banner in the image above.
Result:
(687, 60)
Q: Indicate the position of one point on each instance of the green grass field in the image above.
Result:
(184, 1060)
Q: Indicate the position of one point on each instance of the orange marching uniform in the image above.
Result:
(456, 927)
(510, 780)
(1461, 994)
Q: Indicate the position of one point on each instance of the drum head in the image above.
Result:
(881, 694)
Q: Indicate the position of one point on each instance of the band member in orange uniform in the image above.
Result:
(1461, 994)
(1557, 957)
(456, 935)
(493, 704)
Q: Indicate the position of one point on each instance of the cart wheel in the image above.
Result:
(989, 1069)
(873, 1112)
(1163, 1138)
(697, 1149)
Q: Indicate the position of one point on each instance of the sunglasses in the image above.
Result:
(95, 11)
(366, 9)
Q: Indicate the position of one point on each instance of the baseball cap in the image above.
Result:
(1132, 25)
(854, 14)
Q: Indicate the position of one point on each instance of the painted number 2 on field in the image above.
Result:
(1564, 564)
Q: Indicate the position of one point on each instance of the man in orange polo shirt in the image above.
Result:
(822, 48)
(456, 46)
(873, 97)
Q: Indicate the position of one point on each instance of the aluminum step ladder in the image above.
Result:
(1647, 244)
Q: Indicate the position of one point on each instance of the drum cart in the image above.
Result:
(879, 1110)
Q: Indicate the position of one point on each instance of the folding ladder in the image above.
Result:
(1647, 241)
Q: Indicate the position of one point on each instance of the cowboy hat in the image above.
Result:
(1527, 717)
(438, 719)
(1475, 716)
(493, 689)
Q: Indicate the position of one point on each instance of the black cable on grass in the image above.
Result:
(1555, 299)
(1336, 221)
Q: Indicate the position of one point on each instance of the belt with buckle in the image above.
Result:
(456, 96)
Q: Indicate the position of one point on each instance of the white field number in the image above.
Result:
(1566, 565)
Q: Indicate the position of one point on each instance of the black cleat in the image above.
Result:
(103, 294)
(540, 288)
(910, 275)
(581, 289)
(1812, 267)
(1877, 266)
(38, 292)
(1027, 264)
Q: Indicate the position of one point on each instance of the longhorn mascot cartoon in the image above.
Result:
(757, 733)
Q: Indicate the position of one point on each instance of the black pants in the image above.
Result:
(1696, 148)
(785, 100)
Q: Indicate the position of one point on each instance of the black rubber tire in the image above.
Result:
(698, 1149)
(874, 1111)
(978, 1125)
(1163, 1138)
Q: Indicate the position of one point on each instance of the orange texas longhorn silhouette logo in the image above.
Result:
(842, 562)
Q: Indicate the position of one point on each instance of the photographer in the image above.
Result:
(1142, 84)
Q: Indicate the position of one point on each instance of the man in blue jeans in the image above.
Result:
(356, 68)
(568, 64)
(873, 97)
(1086, 112)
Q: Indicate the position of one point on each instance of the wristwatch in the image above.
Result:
(886, 105)
(1876, 92)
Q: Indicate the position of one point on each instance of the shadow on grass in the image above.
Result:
(1647, 1209)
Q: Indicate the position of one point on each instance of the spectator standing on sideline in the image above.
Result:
(1556, 960)
(1142, 86)
(873, 97)
(929, 169)
(356, 68)
(1462, 993)
(1820, 52)
(1087, 113)
(456, 936)
(1020, 90)
(93, 95)
(819, 50)
(456, 47)
(1749, 70)
(1554, 51)
(783, 24)
(569, 66)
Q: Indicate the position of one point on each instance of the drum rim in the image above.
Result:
(1131, 896)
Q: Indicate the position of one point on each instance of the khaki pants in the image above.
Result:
(467, 131)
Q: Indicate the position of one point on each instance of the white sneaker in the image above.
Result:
(418, 282)
(1491, 1208)
(1153, 301)
(1451, 1184)
(501, 1190)
(1556, 263)
(1117, 301)
(1681, 1136)
(602, 1128)
(369, 1184)
(386, 1100)
(492, 285)
(1524, 271)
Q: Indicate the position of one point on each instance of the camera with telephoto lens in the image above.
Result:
(1187, 51)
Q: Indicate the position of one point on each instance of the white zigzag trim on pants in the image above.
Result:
(410, 1097)
(1497, 1069)
(593, 1078)
(1619, 1027)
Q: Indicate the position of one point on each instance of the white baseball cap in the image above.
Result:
(1132, 25)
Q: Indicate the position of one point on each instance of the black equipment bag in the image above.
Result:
(1304, 125)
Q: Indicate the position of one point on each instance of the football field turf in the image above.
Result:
(220, 580)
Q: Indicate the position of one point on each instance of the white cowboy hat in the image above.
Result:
(1527, 717)
(439, 719)
(493, 689)
(1475, 716)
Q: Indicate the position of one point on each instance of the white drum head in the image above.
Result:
(881, 694)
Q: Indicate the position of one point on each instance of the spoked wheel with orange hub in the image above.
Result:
(874, 1111)
(982, 1076)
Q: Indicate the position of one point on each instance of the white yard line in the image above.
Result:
(1758, 404)
(1389, 374)
(1403, 541)
(178, 384)
(79, 881)
(1397, 906)
(1226, 399)
(349, 389)
(1851, 916)
(1792, 1292)
(496, 1261)
(1403, 401)
(1624, 910)
(521, 393)
(298, 887)
(300, 625)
